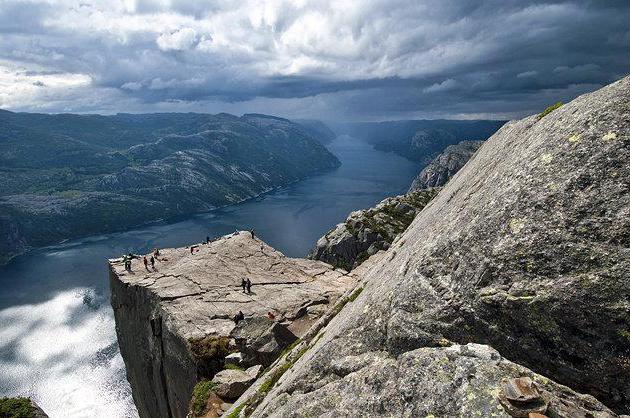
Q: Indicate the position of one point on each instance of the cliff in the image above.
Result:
(365, 232)
(445, 165)
(69, 176)
(174, 323)
(526, 249)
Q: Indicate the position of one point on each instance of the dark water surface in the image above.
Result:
(57, 338)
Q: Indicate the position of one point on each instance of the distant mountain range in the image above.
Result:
(419, 140)
(70, 175)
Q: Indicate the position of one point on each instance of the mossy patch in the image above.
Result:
(209, 353)
(16, 408)
(201, 392)
(549, 109)
(237, 411)
(232, 366)
(355, 294)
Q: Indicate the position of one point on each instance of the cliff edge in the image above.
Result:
(175, 322)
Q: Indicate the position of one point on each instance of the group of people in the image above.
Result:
(154, 257)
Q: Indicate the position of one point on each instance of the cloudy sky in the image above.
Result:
(341, 59)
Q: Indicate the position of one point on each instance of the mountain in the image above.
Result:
(507, 296)
(317, 129)
(69, 175)
(526, 251)
(420, 140)
(445, 165)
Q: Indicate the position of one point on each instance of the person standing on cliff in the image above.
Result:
(253, 233)
(152, 263)
(243, 284)
(146, 262)
(239, 317)
(249, 285)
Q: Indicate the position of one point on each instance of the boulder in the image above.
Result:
(261, 340)
(234, 358)
(231, 383)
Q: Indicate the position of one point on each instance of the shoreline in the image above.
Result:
(166, 221)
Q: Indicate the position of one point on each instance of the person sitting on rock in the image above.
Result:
(239, 317)
(249, 285)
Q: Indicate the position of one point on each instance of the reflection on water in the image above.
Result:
(57, 338)
(63, 352)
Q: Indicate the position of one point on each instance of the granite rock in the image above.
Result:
(526, 249)
(173, 323)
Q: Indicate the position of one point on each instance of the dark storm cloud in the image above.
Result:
(363, 60)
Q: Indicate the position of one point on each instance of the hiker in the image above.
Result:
(146, 262)
(207, 239)
(270, 315)
(152, 263)
(253, 233)
(243, 284)
(249, 285)
(156, 254)
(127, 262)
(239, 317)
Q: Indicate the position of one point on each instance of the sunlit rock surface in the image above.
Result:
(161, 313)
(525, 249)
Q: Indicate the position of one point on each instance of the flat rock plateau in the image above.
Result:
(189, 298)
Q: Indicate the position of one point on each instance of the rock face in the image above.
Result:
(445, 165)
(75, 175)
(260, 340)
(368, 231)
(525, 249)
(173, 324)
(457, 381)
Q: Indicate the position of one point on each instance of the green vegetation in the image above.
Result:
(201, 392)
(355, 294)
(237, 411)
(290, 347)
(16, 408)
(232, 366)
(66, 176)
(210, 347)
(273, 379)
(549, 109)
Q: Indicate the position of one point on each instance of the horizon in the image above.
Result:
(366, 61)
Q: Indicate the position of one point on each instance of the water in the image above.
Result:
(57, 337)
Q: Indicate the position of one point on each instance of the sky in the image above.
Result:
(333, 60)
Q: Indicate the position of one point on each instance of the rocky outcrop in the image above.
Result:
(445, 165)
(525, 249)
(20, 407)
(365, 232)
(174, 323)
